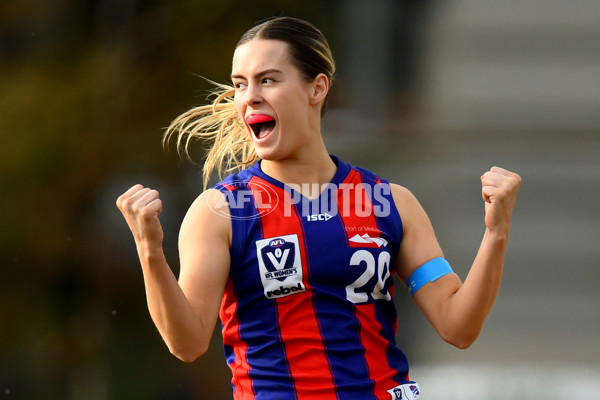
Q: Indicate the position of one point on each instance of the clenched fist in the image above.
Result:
(499, 190)
(140, 207)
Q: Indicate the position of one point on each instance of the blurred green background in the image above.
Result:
(429, 94)
(86, 88)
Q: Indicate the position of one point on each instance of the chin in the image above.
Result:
(269, 154)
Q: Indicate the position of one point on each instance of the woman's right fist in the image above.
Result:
(140, 207)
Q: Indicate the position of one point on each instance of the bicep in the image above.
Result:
(419, 245)
(204, 242)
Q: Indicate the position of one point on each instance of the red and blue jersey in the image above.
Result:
(307, 311)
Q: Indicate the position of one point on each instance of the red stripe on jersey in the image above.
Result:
(298, 324)
(240, 367)
(358, 217)
(357, 213)
(392, 290)
(375, 351)
(228, 186)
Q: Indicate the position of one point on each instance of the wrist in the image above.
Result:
(150, 252)
(497, 235)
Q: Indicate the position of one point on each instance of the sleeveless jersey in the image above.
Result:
(307, 311)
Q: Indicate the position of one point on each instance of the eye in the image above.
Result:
(239, 85)
(268, 80)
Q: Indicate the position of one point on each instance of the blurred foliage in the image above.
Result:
(85, 90)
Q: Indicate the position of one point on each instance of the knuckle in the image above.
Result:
(518, 178)
(126, 203)
(147, 211)
(515, 180)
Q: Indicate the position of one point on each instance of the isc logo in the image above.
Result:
(318, 217)
(280, 266)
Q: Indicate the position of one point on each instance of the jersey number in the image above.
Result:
(356, 292)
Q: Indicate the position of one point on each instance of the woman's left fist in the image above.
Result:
(499, 188)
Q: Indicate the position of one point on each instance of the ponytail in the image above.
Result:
(219, 123)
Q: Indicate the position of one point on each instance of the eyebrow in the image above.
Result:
(259, 75)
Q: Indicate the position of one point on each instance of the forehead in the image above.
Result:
(260, 54)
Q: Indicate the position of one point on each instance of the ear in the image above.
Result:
(319, 89)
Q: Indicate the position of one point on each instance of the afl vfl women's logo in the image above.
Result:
(280, 266)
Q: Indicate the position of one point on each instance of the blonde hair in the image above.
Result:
(232, 148)
(217, 123)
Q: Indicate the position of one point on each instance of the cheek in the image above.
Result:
(290, 104)
(295, 108)
(241, 112)
(238, 105)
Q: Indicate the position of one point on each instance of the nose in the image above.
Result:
(253, 94)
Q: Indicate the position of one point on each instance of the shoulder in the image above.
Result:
(404, 199)
(419, 244)
(237, 179)
(410, 210)
(207, 216)
(413, 215)
(209, 200)
(367, 175)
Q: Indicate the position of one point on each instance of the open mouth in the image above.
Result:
(261, 125)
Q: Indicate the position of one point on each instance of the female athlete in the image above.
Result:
(295, 250)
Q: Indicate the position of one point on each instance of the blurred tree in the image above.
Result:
(85, 90)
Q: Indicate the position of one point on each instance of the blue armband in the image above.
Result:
(431, 271)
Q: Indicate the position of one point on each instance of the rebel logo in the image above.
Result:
(284, 291)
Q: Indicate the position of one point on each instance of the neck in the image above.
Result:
(313, 168)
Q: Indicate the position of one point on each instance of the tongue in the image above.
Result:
(257, 119)
(264, 129)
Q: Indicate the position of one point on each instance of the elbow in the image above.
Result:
(188, 354)
(461, 340)
(462, 344)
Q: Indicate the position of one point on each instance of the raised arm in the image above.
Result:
(458, 310)
(184, 312)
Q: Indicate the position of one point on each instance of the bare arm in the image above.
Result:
(184, 312)
(458, 310)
